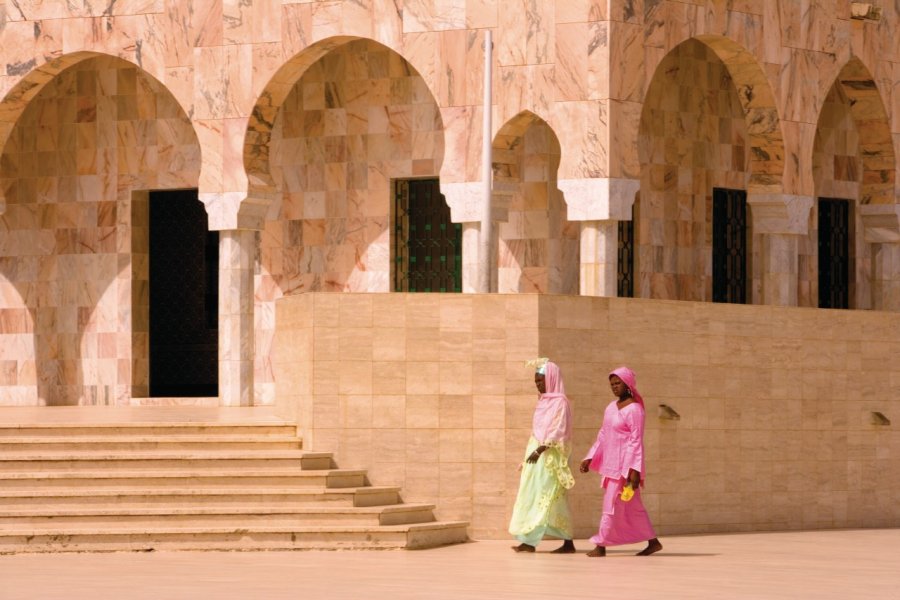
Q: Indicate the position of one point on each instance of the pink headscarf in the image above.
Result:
(628, 377)
(553, 415)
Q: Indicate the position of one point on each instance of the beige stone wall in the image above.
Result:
(775, 403)
(73, 256)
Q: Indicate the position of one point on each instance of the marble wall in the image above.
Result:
(538, 246)
(837, 170)
(269, 95)
(74, 245)
(775, 403)
(693, 139)
(358, 119)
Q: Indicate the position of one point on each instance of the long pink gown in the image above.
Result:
(620, 447)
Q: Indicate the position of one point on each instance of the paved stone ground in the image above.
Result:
(828, 564)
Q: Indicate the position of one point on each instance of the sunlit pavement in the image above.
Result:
(826, 564)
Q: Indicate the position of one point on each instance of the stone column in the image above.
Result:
(881, 229)
(237, 257)
(465, 202)
(781, 219)
(470, 236)
(599, 204)
(238, 217)
(599, 258)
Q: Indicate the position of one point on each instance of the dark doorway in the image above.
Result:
(427, 246)
(729, 251)
(625, 274)
(184, 297)
(834, 253)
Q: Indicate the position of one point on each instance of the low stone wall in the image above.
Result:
(430, 392)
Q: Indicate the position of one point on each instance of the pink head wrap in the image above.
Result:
(628, 377)
(552, 420)
(553, 381)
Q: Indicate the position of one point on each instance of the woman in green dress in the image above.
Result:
(542, 506)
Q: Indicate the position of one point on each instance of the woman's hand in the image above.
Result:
(534, 456)
(634, 478)
(585, 465)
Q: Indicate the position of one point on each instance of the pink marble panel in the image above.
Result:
(90, 270)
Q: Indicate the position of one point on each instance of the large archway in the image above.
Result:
(355, 119)
(853, 162)
(86, 135)
(708, 122)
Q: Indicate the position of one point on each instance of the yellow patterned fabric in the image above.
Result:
(541, 501)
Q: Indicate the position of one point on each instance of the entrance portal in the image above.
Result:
(184, 297)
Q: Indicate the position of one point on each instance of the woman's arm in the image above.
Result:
(595, 455)
(633, 454)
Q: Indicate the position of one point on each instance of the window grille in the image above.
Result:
(834, 253)
(729, 246)
(427, 245)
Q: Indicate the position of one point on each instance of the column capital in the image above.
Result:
(236, 210)
(600, 198)
(881, 223)
(780, 213)
(465, 199)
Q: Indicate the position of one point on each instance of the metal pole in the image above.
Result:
(485, 253)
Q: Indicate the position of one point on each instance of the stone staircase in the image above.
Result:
(194, 486)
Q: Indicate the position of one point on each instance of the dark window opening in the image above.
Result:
(729, 252)
(427, 246)
(625, 275)
(184, 297)
(834, 253)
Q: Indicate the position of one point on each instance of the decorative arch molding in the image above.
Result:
(258, 137)
(765, 137)
(876, 147)
(18, 98)
(505, 165)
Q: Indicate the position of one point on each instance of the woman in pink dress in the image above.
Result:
(618, 455)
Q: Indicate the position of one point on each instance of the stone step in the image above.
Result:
(101, 519)
(15, 539)
(164, 461)
(237, 479)
(71, 431)
(146, 497)
(114, 444)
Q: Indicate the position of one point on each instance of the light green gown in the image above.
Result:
(542, 506)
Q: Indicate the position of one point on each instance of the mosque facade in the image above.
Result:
(239, 204)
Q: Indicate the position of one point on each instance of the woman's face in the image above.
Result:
(540, 382)
(617, 386)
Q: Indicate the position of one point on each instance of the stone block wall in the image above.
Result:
(430, 392)
(74, 245)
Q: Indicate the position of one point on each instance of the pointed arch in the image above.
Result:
(876, 147)
(538, 246)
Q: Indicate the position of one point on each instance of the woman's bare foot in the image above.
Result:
(597, 552)
(523, 548)
(568, 547)
(653, 546)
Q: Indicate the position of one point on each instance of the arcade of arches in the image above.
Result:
(337, 120)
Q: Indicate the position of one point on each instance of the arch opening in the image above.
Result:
(83, 135)
(355, 118)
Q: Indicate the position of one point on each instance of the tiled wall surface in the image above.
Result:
(693, 138)
(359, 118)
(291, 117)
(430, 392)
(73, 255)
(538, 246)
